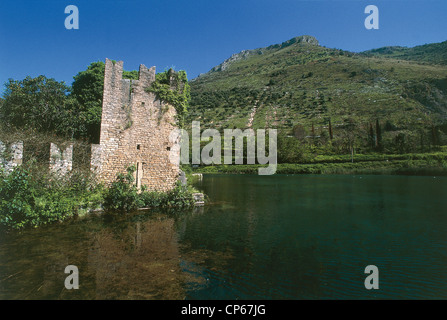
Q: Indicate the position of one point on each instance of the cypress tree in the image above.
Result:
(422, 140)
(372, 138)
(434, 136)
(331, 136)
(378, 135)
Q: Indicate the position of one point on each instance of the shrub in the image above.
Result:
(31, 197)
(16, 206)
(123, 193)
(180, 197)
(152, 199)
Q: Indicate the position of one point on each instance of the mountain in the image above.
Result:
(434, 53)
(299, 82)
(260, 51)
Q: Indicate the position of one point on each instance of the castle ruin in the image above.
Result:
(136, 129)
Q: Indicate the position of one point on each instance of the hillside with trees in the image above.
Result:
(324, 102)
(327, 101)
(433, 53)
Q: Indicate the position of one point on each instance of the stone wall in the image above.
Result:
(61, 162)
(95, 162)
(136, 130)
(11, 155)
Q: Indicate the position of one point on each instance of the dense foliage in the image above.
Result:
(173, 88)
(123, 193)
(124, 196)
(87, 89)
(49, 106)
(31, 197)
(39, 103)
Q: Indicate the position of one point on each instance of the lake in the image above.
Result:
(259, 237)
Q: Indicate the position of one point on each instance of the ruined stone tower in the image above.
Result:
(135, 130)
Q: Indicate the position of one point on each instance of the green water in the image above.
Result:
(261, 237)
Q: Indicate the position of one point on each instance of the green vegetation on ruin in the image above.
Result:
(173, 88)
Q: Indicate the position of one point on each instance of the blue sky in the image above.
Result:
(195, 35)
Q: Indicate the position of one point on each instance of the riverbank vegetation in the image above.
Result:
(341, 155)
(124, 196)
(31, 196)
(432, 166)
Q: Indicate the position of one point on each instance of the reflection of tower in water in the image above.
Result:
(140, 261)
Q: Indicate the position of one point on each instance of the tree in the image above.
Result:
(379, 144)
(349, 127)
(421, 133)
(290, 150)
(312, 130)
(88, 87)
(434, 136)
(400, 142)
(299, 131)
(37, 103)
(372, 137)
(50, 106)
(331, 136)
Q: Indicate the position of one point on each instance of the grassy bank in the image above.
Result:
(405, 164)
